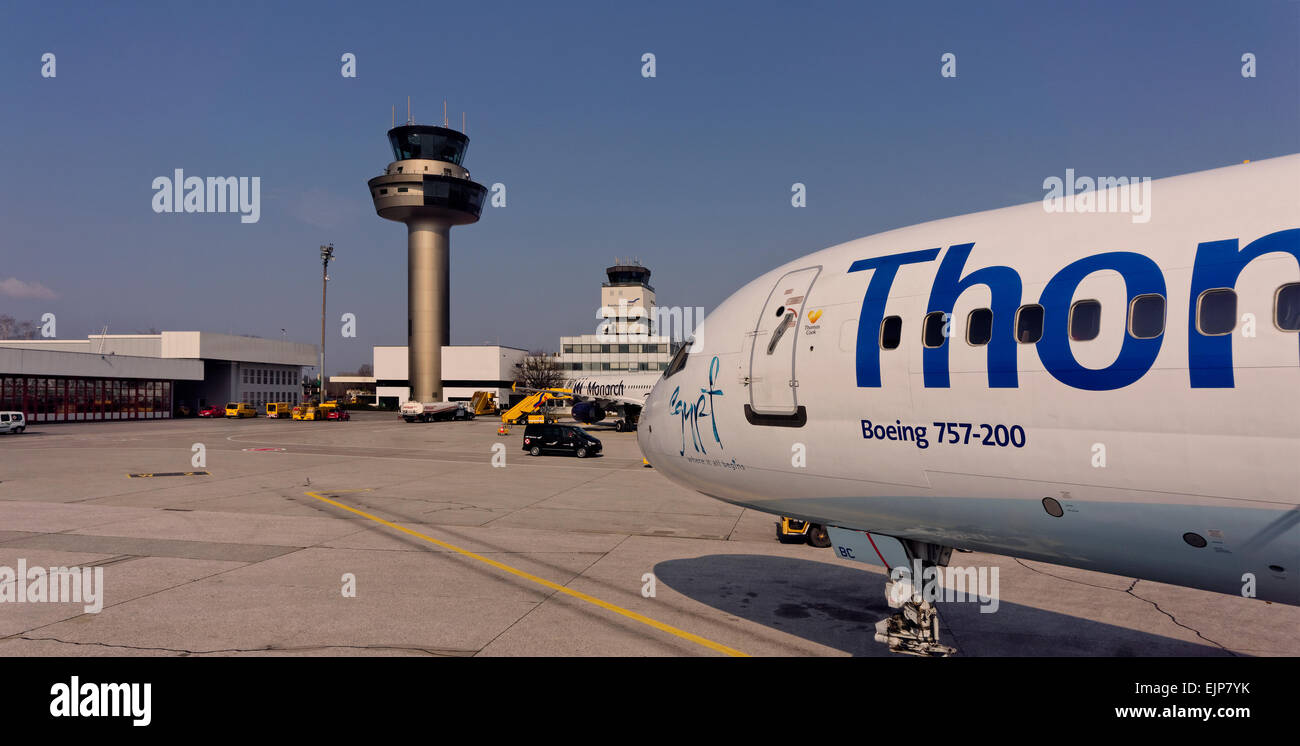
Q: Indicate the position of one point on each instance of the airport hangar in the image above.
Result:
(146, 376)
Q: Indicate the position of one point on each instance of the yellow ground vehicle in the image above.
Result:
(794, 530)
(279, 409)
(300, 412)
(483, 402)
(532, 409)
(325, 408)
(240, 409)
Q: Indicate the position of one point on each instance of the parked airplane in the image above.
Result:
(596, 397)
(1078, 388)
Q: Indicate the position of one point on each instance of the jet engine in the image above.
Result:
(588, 413)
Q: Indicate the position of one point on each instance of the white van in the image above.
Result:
(12, 422)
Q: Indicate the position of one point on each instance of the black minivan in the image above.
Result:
(539, 439)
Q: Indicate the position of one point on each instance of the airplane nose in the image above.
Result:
(649, 418)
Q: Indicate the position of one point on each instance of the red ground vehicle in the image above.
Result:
(338, 414)
(212, 411)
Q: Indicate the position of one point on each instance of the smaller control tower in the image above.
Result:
(627, 300)
(428, 189)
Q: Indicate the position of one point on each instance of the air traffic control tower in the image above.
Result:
(428, 189)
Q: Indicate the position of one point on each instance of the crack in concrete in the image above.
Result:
(737, 523)
(1061, 577)
(1129, 591)
(1174, 619)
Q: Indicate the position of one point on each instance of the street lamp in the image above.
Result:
(326, 255)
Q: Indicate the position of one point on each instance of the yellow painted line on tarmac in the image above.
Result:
(683, 634)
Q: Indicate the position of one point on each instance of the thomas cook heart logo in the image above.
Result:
(812, 317)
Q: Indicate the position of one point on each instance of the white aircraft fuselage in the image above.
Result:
(633, 387)
(622, 395)
(1168, 444)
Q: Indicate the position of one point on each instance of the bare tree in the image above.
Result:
(11, 328)
(539, 370)
(366, 369)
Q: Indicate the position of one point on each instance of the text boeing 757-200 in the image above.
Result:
(1073, 388)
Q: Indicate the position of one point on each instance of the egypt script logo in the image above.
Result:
(702, 407)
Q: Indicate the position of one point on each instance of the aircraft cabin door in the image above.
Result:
(773, 383)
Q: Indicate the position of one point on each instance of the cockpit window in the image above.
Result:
(679, 360)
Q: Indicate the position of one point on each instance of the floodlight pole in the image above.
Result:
(326, 254)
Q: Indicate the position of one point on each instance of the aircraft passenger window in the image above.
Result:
(891, 332)
(1286, 311)
(1216, 312)
(679, 360)
(1029, 324)
(1146, 316)
(979, 327)
(1085, 320)
(932, 331)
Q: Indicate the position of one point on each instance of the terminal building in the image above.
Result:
(147, 376)
(626, 337)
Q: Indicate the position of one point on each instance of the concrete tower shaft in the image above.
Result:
(428, 297)
(428, 189)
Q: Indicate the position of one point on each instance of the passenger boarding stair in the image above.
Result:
(529, 404)
(483, 402)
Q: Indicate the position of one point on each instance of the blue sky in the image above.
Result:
(690, 171)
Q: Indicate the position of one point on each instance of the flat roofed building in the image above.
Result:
(146, 376)
(465, 370)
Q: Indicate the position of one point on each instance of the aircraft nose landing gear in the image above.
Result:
(914, 630)
(913, 566)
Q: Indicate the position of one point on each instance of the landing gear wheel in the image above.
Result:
(619, 426)
(914, 630)
(580, 453)
(534, 451)
(818, 536)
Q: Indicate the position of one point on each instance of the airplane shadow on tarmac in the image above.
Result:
(839, 606)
